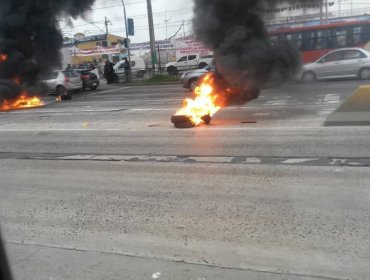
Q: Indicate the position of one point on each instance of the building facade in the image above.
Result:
(87, 43)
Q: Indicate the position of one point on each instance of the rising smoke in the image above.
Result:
(31, 38)
(244, 57)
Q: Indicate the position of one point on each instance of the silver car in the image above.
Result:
(341, 63)
(63, 82)
(190, 78)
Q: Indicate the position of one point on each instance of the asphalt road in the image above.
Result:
(103, 187)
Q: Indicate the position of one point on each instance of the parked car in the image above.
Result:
(188, 62)
(89, 79)
(190, 78)
(63, 82)
(341, 63)
(138, 67)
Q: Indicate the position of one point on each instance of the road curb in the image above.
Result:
(355, 111)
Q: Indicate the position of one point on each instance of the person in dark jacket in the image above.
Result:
(126, 66)
(109, 72)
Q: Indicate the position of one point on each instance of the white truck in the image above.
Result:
(188, 62)
(138, 67)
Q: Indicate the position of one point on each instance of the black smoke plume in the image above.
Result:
(244, 56)
(31, 39)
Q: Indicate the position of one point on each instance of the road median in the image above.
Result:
(355, 111)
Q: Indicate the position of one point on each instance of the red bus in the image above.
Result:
(315, 41)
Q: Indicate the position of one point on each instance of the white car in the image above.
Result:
(341, 63)
(63, 82)
(188, 62)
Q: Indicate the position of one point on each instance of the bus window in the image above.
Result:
(357, 35)
(321, 41)
(341, 38)
(309, 40)
(295, 38)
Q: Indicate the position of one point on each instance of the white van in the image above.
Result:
(138, 67)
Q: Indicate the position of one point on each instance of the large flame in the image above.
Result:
(206, 102)
(22, 102)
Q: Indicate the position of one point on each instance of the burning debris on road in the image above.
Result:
(30, 43)
(245, 59)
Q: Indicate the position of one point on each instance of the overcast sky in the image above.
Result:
(174, 12)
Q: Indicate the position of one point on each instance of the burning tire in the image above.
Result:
(181, 121)
(187, 124)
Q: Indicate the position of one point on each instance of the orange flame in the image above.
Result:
(206, 102)
(23, 102)
(3, 57)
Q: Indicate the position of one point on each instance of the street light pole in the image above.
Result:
(126, 27)
(151, 34)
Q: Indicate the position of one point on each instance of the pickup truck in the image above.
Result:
(188, 62)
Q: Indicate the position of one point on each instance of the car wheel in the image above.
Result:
(193, 83)
(202, 65)
(94, 87)
(365, 74)
(172, 70)
(61, 91)
(308, 77)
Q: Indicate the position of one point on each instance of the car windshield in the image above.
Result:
(184, 140)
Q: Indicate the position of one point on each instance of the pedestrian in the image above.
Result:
(127, 68)
(69, 68)
(111, 72)
(106, 72)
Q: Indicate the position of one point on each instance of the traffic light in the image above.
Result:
(125, 43)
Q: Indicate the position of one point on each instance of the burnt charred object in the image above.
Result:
(182, 121)
(66, 97)
(207, 119)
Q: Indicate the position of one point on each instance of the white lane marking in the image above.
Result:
(299, 160)
(99, 110)
(211, 159)
(156, 275)
(336, 161)
(253, 160)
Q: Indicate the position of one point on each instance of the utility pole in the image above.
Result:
(151, 34)
(339, 7)
(321, 12)
(106, 22)
(327, 11)
(126, 27)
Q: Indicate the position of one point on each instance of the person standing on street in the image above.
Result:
(126, 66)
(111, 72)
(106, 71)
(69, 68)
